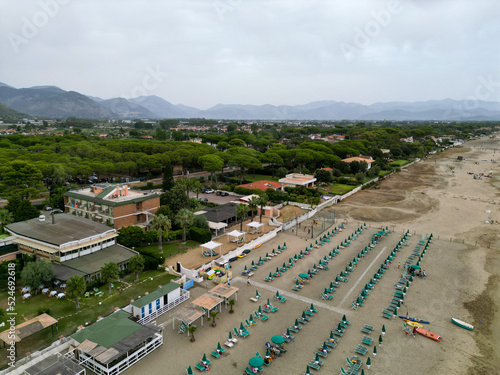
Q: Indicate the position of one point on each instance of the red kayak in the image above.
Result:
(428, 334)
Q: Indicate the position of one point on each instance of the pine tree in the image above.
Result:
(168, 177)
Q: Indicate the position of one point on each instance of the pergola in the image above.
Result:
(28, 328)
(208, 302)
(255, 225)
(236, 234)
(211, 246)
(188, 315)
(225, 291)
(217, 226)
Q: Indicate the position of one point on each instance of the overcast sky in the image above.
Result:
(204, 52)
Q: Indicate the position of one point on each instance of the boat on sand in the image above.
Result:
(428, 334)
(462, 324)
(414, 320)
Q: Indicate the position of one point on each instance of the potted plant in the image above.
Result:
(213, 316)
(191, 330)
(231, 303)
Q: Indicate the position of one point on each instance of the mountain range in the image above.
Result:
(54, 102)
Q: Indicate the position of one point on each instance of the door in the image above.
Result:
(150, 308)
(142, 312)
(158, 304)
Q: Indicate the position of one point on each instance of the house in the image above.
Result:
(114, 343)
(367, 159)
(75, 245)
(114, 205)
(298, 179)
(263, 185)
(156, 303)
(225, 213)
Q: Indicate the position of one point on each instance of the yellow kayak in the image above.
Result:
(413, 324)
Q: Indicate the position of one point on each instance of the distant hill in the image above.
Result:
(127, 109)
(50, 101)
(9, 112)
(163, 108)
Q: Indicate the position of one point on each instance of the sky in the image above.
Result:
(204, 52)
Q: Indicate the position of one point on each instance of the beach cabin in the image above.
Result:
(157, 302)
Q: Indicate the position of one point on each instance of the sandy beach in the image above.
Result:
(462, 264)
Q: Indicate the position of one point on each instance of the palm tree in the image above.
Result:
(136, 264)
(231, 303)
(263, 200)
(253, 203)
(109, 273)
(6, 217)
(213, 316)
(192, 330)
(197, 187)
(161, 223)
(184, 217)
(241, 212)
(75, 288)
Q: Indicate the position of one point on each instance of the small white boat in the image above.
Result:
(462, 324)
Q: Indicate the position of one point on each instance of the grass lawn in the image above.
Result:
(398, 163)
(340, 189)
(383, 173)
(170, 249)
(65, 311)
(4, 235)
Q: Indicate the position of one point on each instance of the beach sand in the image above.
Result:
(461, 263)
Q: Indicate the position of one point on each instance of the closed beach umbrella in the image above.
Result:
(326, 291)
(270, 275)
(337, 278)
(268, 303)
(241, 327)
(204, 359)
(230, 336)
(284, 244)
(324, 346)
(304, 315)
(296, 323)
(278, 339)
(308, 371)
(283, 265)
(256, 361)
(288, 332)
(260, 259)
(312, 307)
(331, 336)
(331, 285)
(383, 329)
(277, 294)
(368, 362)
(339, 328)
(297, 282)
(296, 257)
(219, 347)
(260, 310)
(257, 294)
(317, 357)
(251, 317)
(277, 270)
(374, 350)
(267, 255)
(344, 319)
(362, 371)
(380, 339)
(268, 353)
(246, 268)
(253, 264)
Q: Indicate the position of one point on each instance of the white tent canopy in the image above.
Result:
(217, 226)
(236, 234)
(255, 225)
(211, 245)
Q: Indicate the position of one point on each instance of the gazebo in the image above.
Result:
(217, 227)
(207, 302)
(188, 315)
(225, 291)
(211, 246)
(28, 328)
(236, 234)
(255, 225)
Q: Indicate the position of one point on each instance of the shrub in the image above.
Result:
(150, 263)
(200, 221)
(199, 235)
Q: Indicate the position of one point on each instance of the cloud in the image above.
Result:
(255, 52)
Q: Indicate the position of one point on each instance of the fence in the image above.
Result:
(184, 296)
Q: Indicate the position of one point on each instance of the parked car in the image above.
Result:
(222, 193)
(203, 199)
(209, 191)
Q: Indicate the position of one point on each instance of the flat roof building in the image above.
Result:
(76, 246)
(114, 205)
(298, 179)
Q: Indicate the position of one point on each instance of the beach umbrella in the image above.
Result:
(362, 371)
(297, 282)
(253, 264)
(296, 257)
(380, 339)
(301, 253)
(326, 291)
(324, 346)
(230, 336)
(314, 266)
(251, 319)
(241, 327)
(368, 362)
(278, 339)
(246, 268)
(274, 251)
(270, 275)
(337, 278)
(288, 332)
(257, 294)
(296, 323)
(219, 347)
(309, 273)
(260, 310)
(204, 359)
(332, 338)
(304, 315)
(411, 279)
(284, 244)
(407, 284)
(268, 303)
(277, 270)
(303, 275)
(404, 290)
(277, 294)
(374, 350)
(279, 247)
(256, 361)
(383, 329)
(317, 357)
(268, 353)
(339, 328)
(415, 267)
(312, 307)
(260, 259)
(308, 371)
(267, 255)
(331, 285)
(344, 319)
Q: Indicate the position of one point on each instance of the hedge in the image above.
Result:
(199, 235)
